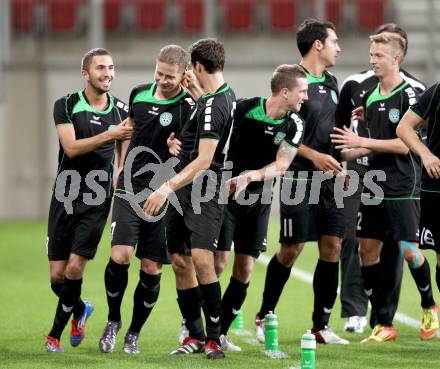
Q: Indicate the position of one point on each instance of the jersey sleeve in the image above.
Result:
(295, 131)
(60, 111)
(212, 120)
(345, 105)
(122, 108)
(427, 102)
(130, 102)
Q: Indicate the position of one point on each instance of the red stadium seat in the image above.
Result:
(239, 14)
(23, 15)
(333, 11)
(150, 14)
(62, 15)
(191, 15)
(283, 14)
(112, 14)
(370, 13)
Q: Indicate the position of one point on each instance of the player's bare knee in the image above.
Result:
(288, 254)
(121, 254)
(150, 266)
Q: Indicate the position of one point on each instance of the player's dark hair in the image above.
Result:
(174, 54)
(88, 56)
(309, 31)
(286, 76)
(210, 53)
(393, 28)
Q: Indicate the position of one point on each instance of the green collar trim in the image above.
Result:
(148, 96)
(259, 114)
(312, 79)
(83, 105)
(221, 89)
(376, 96)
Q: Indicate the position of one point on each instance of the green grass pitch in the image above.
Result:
(27, 306)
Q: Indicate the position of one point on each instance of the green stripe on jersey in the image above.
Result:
(148, 96)
(83, 105)
(376, 96)
(259, 114)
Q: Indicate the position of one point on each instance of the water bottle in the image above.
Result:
(237, 323)
(271, 332)
(308, 348)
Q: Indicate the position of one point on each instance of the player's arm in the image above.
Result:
(206, 151)
(285, 155)
(345, 138)
(406, 131)
(324, 162)
(75, 147)
(122, 148)
(191, 84)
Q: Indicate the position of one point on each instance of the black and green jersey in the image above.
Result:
(319, 114)
(88, 122)
(352, 92)
(211, 120)
(427, 108)
(256, 138)
(382, 115)
(154, 120)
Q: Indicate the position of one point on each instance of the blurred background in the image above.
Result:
(42, 42)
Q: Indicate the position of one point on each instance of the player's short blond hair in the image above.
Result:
(174, 54)
(396, 42)
(285, 76)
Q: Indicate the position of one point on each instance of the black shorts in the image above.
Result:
(197, 226)
(246, 226)
(77, 233)
(394, 219)
(128, 228)
(304, 221)
(429, 225)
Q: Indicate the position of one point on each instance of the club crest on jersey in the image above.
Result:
(278, 138)
(165, 119)
(334, 96)
(394, 115)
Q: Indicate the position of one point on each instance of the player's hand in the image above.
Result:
(156, 200)
(174, 144)
(191, 84)
(358, 113)
(120, 132)
(238, 184)
(345, 138)
(327, 164)
(432, 165)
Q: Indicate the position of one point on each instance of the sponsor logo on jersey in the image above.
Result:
(381, 107)
(427, 237)
(321, 89)
(95, 120)
(334, 96)
(155, 108)
(394, 115)
(278, 138)
(165, 119)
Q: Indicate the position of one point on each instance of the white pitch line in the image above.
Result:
(304, 276)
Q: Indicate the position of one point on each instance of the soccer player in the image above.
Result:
(354, 301)
(323, 222)
(88, 123)
(265, 139)
(204, 142)
(156, 111)
(398, 212)
(425, 111)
